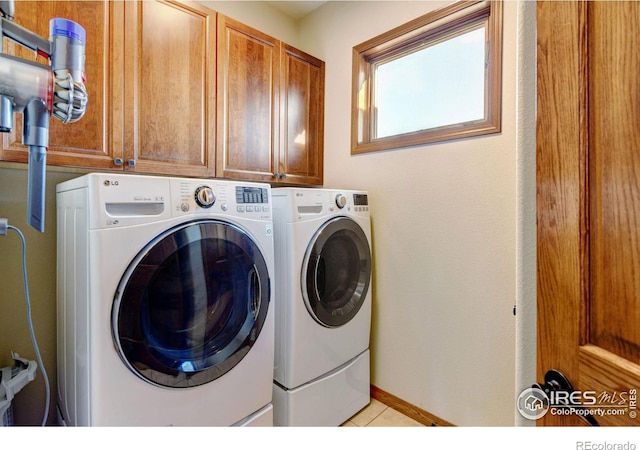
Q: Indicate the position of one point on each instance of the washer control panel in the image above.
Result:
(242, 199)
(135, 199)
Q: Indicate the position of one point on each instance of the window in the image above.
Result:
(433, 79)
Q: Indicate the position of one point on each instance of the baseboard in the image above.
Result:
(409, 410)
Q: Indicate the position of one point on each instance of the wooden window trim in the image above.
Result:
(441, 22)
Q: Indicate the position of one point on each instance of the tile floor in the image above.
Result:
(377, 414)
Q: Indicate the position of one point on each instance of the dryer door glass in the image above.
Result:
(191, 304)
(336, 272)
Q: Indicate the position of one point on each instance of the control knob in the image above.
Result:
(205, 197)
(341, 201)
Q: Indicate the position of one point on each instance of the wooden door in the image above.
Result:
(169, 86)
(302, 117)
(93, 141)
(248, 70)
(588, 200)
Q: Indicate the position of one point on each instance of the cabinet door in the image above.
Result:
(169, 85)
(302, 133)
(89, 142)
(248, 65)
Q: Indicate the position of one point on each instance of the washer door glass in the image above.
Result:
(191, 304)
(336, 272)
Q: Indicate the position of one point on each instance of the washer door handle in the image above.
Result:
(318, 276)
(255, 291)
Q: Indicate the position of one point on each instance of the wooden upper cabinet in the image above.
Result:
(270, 108)
(248, 70)
(169, 85)
(302, 133)
(88, 142)
(175, 88)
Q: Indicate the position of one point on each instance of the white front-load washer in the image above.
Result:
(323, 261)
(165, 312)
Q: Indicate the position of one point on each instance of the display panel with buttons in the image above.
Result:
(360, 199)
(251, 195)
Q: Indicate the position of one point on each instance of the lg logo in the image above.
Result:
(111, 183)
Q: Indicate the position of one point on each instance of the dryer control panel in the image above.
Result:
(349, 202)
(307, 203)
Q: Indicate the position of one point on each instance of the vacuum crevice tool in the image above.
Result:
(36, 136)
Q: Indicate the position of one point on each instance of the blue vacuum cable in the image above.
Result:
(33, 336)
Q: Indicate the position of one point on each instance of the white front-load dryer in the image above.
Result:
(323, 305)
(165, 312)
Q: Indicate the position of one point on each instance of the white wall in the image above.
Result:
(444, 231)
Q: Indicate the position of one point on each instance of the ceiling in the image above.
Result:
(296, 9)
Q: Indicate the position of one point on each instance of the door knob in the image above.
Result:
(557, 387)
